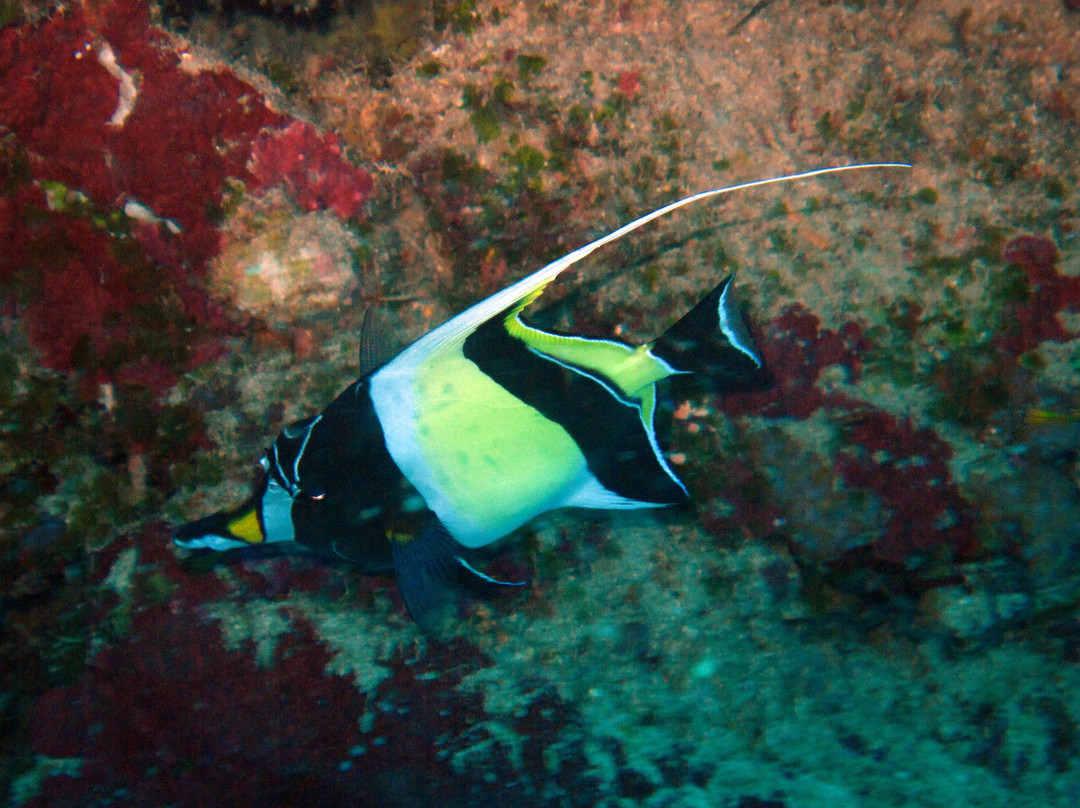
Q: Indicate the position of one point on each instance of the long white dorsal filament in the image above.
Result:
(462, 325)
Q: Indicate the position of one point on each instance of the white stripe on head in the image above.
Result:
(303, 447)
(277, 513)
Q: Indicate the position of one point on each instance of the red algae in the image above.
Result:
(1034, 319)
(628, 82)
(185, 133)
(133, 145)
(311, 167)
(796, 350)
(906, 467)
(166, 715)
(147, 717)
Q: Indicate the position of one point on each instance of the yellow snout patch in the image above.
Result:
(247, 527)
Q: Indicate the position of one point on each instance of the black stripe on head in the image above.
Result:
(347, 488)
(606, 427)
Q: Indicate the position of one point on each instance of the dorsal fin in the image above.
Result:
(375, 349)
(516, 297)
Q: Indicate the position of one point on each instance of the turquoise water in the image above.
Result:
(871, 599)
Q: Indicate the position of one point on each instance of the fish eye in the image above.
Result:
(316, 494)
(264, 461)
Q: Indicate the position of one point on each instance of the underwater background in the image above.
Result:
(874, 598)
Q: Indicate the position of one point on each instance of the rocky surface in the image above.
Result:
(874, 597)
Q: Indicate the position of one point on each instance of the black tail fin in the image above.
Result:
(712, 339)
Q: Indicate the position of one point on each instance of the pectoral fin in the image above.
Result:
(428, 569)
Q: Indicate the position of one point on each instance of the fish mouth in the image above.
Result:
(224, 530)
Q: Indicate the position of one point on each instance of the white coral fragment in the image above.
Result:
(128, 89)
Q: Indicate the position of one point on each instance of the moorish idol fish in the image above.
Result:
(479, 426)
